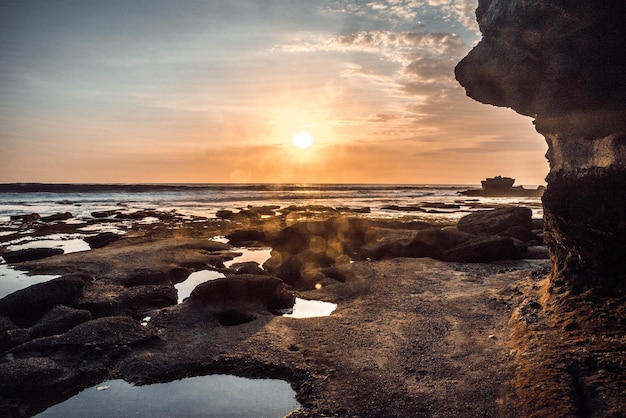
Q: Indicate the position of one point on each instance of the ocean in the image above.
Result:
(436, 204)
(386, 201)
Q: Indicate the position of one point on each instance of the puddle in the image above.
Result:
(185, 288)
(258, 255)
(311, 309)
(13, 280)
(117, 227)
(68, 243)
(203, 396)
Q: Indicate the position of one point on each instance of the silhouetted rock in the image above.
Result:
(154, 277)
(27, 305)
(30, 254)
(299, 269)
(102, 240)
(243, 293)
(490, 222)
(434, 242)
(484, 250)
(56, 217)
(104, 213)
(246, 238)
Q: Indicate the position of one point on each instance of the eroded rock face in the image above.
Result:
(563, 63)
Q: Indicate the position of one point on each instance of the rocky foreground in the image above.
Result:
(431, 320)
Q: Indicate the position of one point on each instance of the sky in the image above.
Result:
(197, 91)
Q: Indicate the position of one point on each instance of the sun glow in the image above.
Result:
(302, 140)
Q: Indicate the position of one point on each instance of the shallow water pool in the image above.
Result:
(186, 287)
(203, 396)
(12, 280)
(304, 308)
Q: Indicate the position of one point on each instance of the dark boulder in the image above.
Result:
(57, 217)
(30, 254)
(521, 233)
(337, 236)
(246, 238)
(243, 293)
(300, 270)
(484, 250)
(490, 222)
(433, 242)
(58, 320)
(102, 240)
(103, 213)
(386, 249)
(26, 306)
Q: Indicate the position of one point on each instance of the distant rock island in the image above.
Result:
(502, 186)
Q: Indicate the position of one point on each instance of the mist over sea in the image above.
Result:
(206, 199)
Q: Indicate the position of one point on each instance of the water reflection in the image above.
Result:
(203, 396)
(12, 280)
(311, 309)
(257, 255)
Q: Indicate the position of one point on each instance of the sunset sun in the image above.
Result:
(302, 140)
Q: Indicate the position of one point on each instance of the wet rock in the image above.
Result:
(434, 242)
(386, 249)
(300, 270)
(521, 233)
(496, 221)
(30, 254)
(485, 249)
(151, 277)
(11, 334)
(243, 293)
(336, 236)
(111, 300)
(104, 213)
(102, 337)
(31, 217)
(26, 306)
(225, 214)
(56, 217)
(246, 238)
(58, 320)
(210, 246)
(102, 240)
(34, 374)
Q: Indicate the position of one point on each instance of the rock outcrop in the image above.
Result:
(563, 63)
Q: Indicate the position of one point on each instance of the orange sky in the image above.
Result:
(214, 91)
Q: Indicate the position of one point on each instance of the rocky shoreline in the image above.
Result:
(420, 328)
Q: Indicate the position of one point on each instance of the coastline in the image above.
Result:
(410, 335)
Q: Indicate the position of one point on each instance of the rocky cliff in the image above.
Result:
(563, 62)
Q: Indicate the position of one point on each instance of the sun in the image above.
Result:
(302, 140)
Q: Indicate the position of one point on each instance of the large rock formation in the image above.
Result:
(563, 62)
